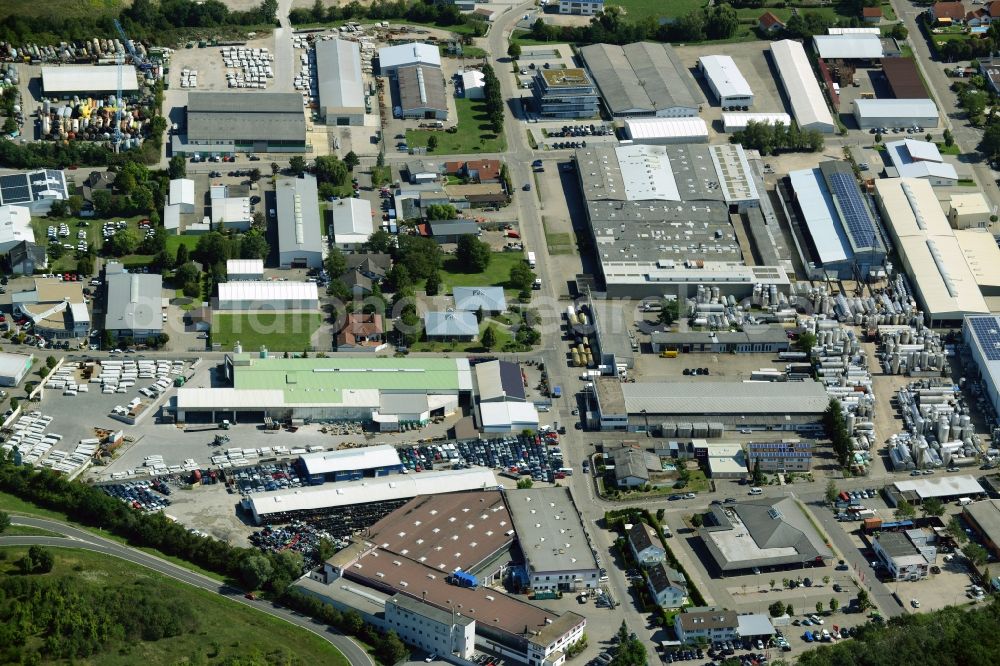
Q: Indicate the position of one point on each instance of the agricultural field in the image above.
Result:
(66, 9)
(638, 10)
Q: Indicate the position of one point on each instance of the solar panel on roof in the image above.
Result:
(987, 331)
(14, 189)
(856, 216)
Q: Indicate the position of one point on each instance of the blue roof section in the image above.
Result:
(821, 217)
(854, 212)
(451, 324)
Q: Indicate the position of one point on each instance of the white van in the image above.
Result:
(963, 501)
(756, 491)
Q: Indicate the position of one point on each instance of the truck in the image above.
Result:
(557, 391)
(531, 259)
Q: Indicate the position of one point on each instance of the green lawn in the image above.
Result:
(953, 149)
(174, 242)
(503, 338)
(290, 331)
(637, 10)
(496, 275)
(63, 8)
(474, 134)
(558, 243)
(67, 262)
(226, 632)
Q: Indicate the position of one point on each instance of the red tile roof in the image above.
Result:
(994, 8)
(769, 20)
(488, 169)
(871, 12)
(950, 10)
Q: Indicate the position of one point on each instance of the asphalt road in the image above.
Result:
(73, 537)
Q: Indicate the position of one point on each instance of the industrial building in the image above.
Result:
(982, 336)
(134, 304)
(984, 519)
(246, 295)
(751, 340)
(565, 93)
(944, 488)
(13, 367)
(351, 223)
(907, 555)
(429, 628)
(441, 550)
(300, 236)
(904, 78)
(182, 194)
(34, 190)
(767, 532)
(735, 122)
(801, 88)
(726, 82)
(229, 210)
(919, 159)
(229, 122)
(665, 131)
(421, 92)
(839, 232)
(969, 211)
(945, 273)
(349, 464)
(581, 7)
(474, 84)
(15, 227)
(381, 391)
(66, 81)
(673, 406)
(848, 47)
(642, 79)
(392, 58)
(550, 532)
(781, 456)
(904, 113)
(721, 460)
(339, 82)
(499, 381)
(504, 417)
(56, 309)
(660, 218)
(239, 270)
(338, 501)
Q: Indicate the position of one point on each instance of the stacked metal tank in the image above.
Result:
(939, 430)
(9, 75)
(89, 119)
(893, 304)
(912, 350)
(87, 50)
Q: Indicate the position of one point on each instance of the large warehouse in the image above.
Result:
(889, 113)
(246, 295)
(982, 335)
(300, 236)
(392, 58)
(87, 80)
(384, 391)
(848, 47)
(421, 92)
(904, 78)
(666, 131)
(754, 405)
(763, 533)
(340, 83)
(642, 79)
(229, 122)
(134, 304)
(726, 81)
(842, 235)
(944, 273)
(633, 200)
(801, 88)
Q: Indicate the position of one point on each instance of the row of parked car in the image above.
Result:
(581, 130)
(140, 495)
(523, 454)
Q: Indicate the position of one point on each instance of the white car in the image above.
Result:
(816, 619)
(430, 658)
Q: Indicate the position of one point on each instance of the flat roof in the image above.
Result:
(803, 91)
(720, 397)
(245, 116)
(299, 227)
(725, 76)
(573, 77)
(941, 486)
(87, 79)
(515, 415)
(421, 87)
(641, 78)
(15, 225)
(134, 302)
(371, 490)
(12, 365)
(352, 220)
(733, 170)
(849, 47)
(390, 57)
(550, 530)
(915, 109)
(30, 187)
(349, 460)
(639, 129)
(338, 73)
(263, 291)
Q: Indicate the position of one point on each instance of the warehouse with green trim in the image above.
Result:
(385, 393)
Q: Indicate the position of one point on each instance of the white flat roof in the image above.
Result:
(849, 47)
(942, 486)
(259, 290)
(517, 415)
(890, 109)
(326, 462)
(15, 225)
(182, 191)
(738, 121)
(87, 78)
(647, 174)
(12, 365)
(801, 87)
(853, 31)
(172, 216)
(659, 128)
(231, 209)
(832, 244)
(722, 71)
(245, 267)
(396, 486)
(473, 78)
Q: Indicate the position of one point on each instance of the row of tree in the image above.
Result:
(417, 11)
(493, 98)
(770, 139)
(836, 430)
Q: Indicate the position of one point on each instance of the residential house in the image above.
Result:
(645, 545)
(361, 332)
(871, 14)
(477, 171)
(471, 299)
(978, 18)
(581, 7)
(422, 171)
(365, 269)
(451, 326)
(947, 13)
(26, 257)
(98, 180)
(630, 467)
(711, 624)
(769, 24)
(667, 586)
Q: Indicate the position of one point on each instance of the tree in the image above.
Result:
(956, 530)
(335, 263)
(932, 506)
(433, 284)
(254, 175)
(522, 277)
(489, 338)
(432, 143)
(441, 212)
(472, 254)
(275, 168)
(770, 583)
(836, 429)
(422, 255)
(805, 342)
(390, 650)
(864, 602)
(351, 160)
(878, 137)
(905, 510)
(380, 242)
(178, 167)
(697, 520)
(976, 554)
(38, 560)
(834, 604)
(297, 165)
(256, 570)
(400, 279)
(524, 484)
(330, 169)
(777, 609)
(514, 50)
(182, 255)
(124, 241)
(660, 513)
(212, 248)
(831, 491)
(819, 606)
(990, 144)
(669, 310)
(949, 138)
(59, 208)
(757, 475)
(253, 245)
(4, 521)
(899, 31)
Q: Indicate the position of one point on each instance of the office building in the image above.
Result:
(709, 624)
(429, 628)
(565, 93)
(56, 309)
(906, 555)
(781, 456)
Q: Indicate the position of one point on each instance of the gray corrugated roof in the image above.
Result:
(451, 324)
(473, 298)
(338, 75)
(421, 87)
(134, 302)
(453, 227)
(641, 77)
(725, 398)
(292, 235)
(247, 116)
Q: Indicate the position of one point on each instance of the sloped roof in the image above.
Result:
(472, 298)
